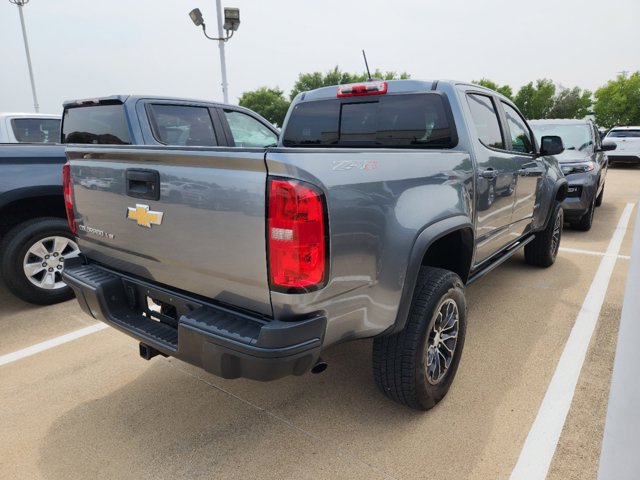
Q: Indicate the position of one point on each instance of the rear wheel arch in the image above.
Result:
(447, 244)
(20, 208)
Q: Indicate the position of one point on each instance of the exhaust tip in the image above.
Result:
(319, 367)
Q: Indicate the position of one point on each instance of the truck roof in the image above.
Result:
(135, 98)
(4, 115)
(393, 86)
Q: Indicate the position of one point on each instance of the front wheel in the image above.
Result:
(416, 366)
(586, 221)
(600, 197)
(33, 257)
(543, 250)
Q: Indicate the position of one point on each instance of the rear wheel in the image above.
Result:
(543, 250)
(33, 256)
(416, 366)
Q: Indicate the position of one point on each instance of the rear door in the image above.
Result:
(496, 171)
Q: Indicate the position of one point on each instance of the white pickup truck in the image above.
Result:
(29, 128)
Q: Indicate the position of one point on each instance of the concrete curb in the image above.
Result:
(619, 458)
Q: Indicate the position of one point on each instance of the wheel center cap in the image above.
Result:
(436, 339)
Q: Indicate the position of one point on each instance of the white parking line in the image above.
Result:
(542, 440)
(54, 342)
(591, 252)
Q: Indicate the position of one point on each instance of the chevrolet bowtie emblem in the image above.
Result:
(144, 216)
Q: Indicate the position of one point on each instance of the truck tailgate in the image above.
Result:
(192, 219)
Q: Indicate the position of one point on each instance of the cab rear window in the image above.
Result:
(624, 134)
(421, 120)
(36, 130)
(97, 124)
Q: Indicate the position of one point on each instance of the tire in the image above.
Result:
(600, 197)
(25, 247)
(543, 250)
(400, 361)
(586, 221)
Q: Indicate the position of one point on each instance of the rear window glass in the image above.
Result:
(183, 125)
(409, 121)
(102, 124)
(36, 130)
(624, 133)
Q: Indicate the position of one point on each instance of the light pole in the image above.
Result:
(20, 4)
(231, 24)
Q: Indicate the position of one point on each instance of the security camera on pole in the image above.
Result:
(20, 4)
(231, 24)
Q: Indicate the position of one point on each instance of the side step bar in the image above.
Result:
(499, 260)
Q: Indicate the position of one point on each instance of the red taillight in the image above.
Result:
(296, 235)
(360, 89)
(68, 197)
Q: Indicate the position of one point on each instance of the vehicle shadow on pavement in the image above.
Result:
(12, 304)
(607, 214)
(176, 421)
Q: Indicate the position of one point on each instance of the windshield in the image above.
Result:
(624, 133)
(574, 137)
(36, 130)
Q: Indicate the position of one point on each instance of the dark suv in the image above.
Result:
(584, 163)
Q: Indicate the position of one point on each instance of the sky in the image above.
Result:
(85, 49)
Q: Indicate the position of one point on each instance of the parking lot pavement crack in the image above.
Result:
(325, 442)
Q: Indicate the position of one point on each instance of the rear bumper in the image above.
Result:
(221, 341)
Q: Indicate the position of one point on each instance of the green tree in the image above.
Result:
(571, 103)
(618, 102)
(536, 101)
(268, 102)
(311, 81)
(504, 90)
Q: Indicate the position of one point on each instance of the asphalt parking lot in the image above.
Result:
(91, 408)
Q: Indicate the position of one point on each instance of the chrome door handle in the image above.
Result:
(489, 173)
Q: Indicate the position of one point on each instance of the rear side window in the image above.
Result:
(98, 124)
(36, 130)
(486, 121)
(521, 140)
(183, 125)
(624, 134)
(404, 121)
(249, 132)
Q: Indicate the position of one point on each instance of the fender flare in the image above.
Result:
(562, 182)
(425, 239)
(26, 193)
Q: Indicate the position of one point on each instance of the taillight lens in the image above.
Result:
(68, 197)
(362, 89)
(296, 236)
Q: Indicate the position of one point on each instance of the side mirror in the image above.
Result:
(607, 146)
(551, 145)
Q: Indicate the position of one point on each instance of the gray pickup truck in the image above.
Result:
(380, 203)
(35, 238)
